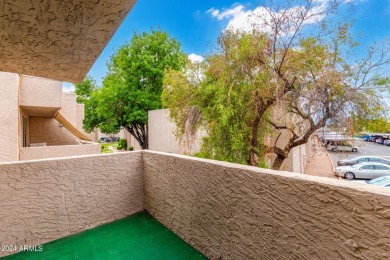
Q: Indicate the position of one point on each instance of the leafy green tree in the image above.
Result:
(179, 88)
(210, 104)
(91, 117)
(232, 98)
(251, 72)
(309, 79)
(370, 125)
(85, 89)
(134, 84)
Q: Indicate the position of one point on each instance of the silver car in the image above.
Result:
(343, 147)
(361, 159)
(367, 170)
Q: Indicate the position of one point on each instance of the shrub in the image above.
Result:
(119, 147)
(131, 148)
(122, 142)
(104, 149)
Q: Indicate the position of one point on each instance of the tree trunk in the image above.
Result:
(261, 107)
(140, 133)
(253, 155)
(281, 155)
(278, 162)
(253, 158)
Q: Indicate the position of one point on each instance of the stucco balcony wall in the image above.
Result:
(44, 152)
(40, 97)
(226, 211)
(9, 117)
(44, 200)
(230, 211)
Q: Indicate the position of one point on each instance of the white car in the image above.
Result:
(383, 181)
(367, 170)
(343, 147)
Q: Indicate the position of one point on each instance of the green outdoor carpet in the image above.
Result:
(139, 236)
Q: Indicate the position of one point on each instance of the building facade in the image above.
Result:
(39, 121)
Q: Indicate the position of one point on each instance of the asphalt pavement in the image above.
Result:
(365, 148)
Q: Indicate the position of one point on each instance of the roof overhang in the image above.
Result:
(57, 39)
(40, 111)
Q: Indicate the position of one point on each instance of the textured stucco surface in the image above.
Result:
(36, 153)
(49, 131)
(79, 123)
(57, 39)
(9, 117)
(229, 211)
(41, 201)
(161, 134)
(38, 94)
(69, 107)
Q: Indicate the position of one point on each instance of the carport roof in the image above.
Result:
(57, 39)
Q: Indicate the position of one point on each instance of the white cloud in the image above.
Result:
(195, 58)
(226, 13)
(246, 20)
(68, 87)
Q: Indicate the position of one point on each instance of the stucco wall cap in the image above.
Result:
(69, 158)
(299, 176)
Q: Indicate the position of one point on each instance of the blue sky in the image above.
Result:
(197, 24)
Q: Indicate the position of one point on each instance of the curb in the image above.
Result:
(331, 161)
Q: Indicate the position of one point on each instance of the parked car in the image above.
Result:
(387, 142)
(383, 181)
(366, 170)
(379, 140)
(114, 139)
(342, 146)
(373, 138)
(361, 159)
(105, 140)
(366, 138)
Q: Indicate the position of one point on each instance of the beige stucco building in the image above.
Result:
(59, 40)
(162, 138)
(39, 121)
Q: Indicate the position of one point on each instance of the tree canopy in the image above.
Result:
(85, 89)
(133, 84)
(262, 82)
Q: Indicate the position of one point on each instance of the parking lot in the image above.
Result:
(365, 148)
